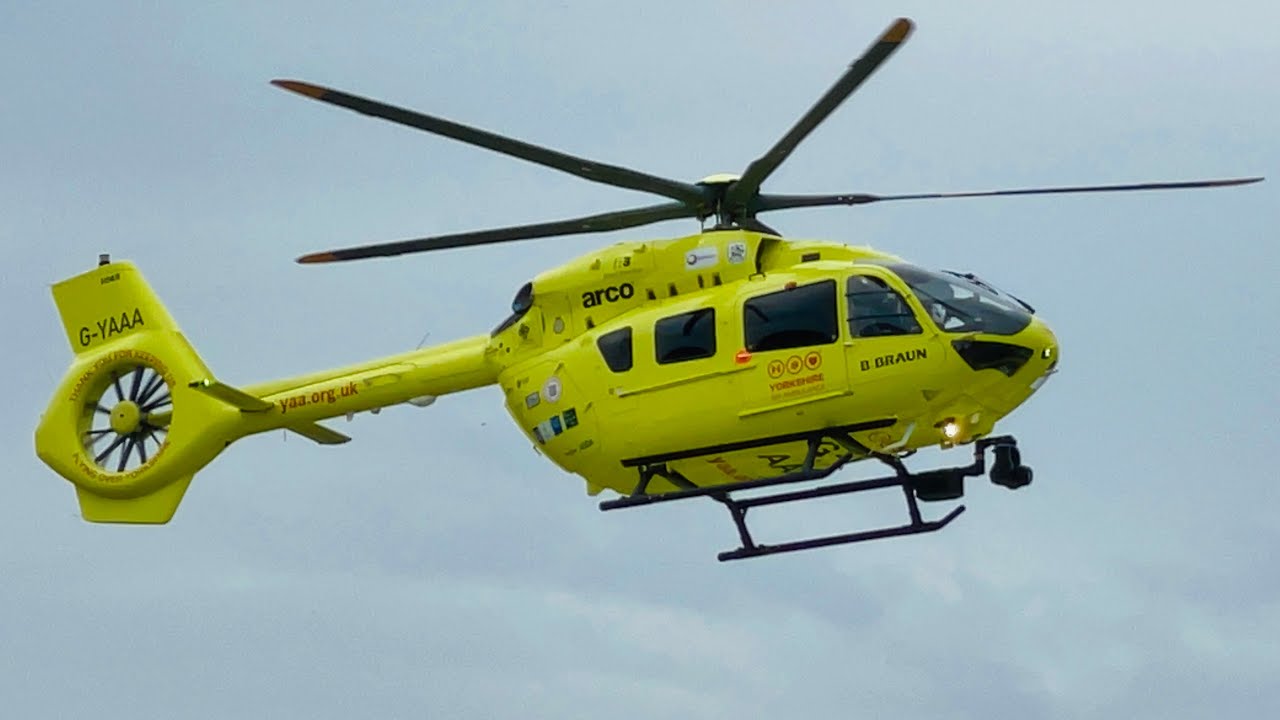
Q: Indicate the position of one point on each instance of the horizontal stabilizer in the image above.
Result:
(232, 396)
(320, 433)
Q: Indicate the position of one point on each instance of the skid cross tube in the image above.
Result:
(946, 483)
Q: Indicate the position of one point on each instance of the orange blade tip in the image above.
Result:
(318, 257)
(301, 88)
(899, 31)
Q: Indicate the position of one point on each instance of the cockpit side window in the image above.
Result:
(797, 317)
(876, 310)
(687, 336)
(519, 306)
(615, 347)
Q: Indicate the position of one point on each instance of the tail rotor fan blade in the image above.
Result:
(109, 449)
(137, 382)
(94, 436)
(128, 450)
(154, 383)
(162, 401)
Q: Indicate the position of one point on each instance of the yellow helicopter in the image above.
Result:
(723, 364)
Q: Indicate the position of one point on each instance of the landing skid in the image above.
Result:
(932, 485)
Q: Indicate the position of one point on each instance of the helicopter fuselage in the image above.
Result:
(700, 350)
(722, 362)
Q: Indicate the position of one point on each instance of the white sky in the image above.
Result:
(437, 567)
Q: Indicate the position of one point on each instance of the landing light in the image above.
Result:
(950, 430)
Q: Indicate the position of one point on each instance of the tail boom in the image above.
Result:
(435, 371)
(139, 413)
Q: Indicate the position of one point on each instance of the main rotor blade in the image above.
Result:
(749, 184)
(783, 202)
(583, 168)
(588, 224)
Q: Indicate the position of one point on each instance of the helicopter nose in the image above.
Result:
(1017, 386)
(1044, 344)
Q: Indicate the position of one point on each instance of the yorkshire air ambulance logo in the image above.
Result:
(794, 365)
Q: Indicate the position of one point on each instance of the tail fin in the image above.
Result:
(107, 305)
(125, 426)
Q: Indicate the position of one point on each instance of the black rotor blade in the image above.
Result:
(110, 448)
(137, 383)
(583, 168)
(155, 382)
(124, 457)
(93, 436)
(749, 184)
(783, 202)
(589, 224)
(159, 402)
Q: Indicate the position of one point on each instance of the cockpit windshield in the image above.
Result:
(960, 304)
(519, 306)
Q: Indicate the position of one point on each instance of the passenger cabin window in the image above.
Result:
(797, 317)
(876, 310)
(616, 348)
(688, 336)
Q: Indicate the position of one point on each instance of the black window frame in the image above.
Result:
(887, 320)
(611, 352)
(686, 322)
(792, 298)
(958, 304)
(520, 306)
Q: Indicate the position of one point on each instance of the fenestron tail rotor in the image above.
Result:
(732, 201)
(128, 421)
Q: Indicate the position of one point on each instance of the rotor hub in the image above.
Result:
(126, 417)
(719, 179)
